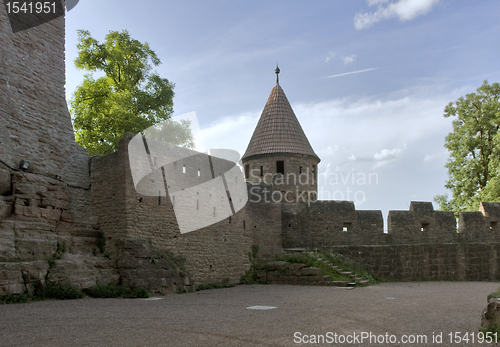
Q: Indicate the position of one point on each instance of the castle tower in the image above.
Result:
(280, 153)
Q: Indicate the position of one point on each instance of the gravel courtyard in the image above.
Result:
(221, 317)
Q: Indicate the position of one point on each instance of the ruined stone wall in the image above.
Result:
(45, 209)
(214, 253)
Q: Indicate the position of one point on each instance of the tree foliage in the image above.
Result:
(474, 146)
(128, 95)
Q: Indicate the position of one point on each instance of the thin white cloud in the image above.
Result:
(402, 9)
(388, 154)
(385, 156)
(349, 59)
(352, 72)
(382, 158)
(330, 56)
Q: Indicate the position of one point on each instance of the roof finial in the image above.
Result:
(277, 70)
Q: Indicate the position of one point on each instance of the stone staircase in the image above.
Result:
(356, 280)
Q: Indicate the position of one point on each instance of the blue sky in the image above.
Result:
(368, 80)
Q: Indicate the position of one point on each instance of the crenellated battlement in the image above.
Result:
(339, 223)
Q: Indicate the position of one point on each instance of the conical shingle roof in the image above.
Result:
(278, 129)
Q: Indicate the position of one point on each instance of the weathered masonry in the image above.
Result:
(68, 218)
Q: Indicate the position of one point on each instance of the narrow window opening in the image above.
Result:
(159, 198)
(197, 204)
(247, 171)
(280, 167)
(261, 171)
(347, 227)
(229, 219)
(300, 169)
(493, 225)
(244, 225)
(199, 173)
(184, 169)
(424, 227)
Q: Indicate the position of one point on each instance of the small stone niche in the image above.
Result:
(347, 226)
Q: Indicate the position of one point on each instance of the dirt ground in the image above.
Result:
(303, 315)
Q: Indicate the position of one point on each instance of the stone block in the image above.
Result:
(5, 182)
(68, 216)
(296, 266)
(62, 204)
(314, 278)
(6, 207)
(34, 271)
(24, 189)
(135, 247)
(277, 265)
(28, 211)
(261, 273)
(73, 271)
(310, 271)
(491, 316)
(51, 215)
(11, 279)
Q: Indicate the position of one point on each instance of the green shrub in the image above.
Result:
(250, 276)
(59, 291)
(114, 291)
(16, 298)
(215, 285)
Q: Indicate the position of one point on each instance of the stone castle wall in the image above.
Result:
(49, 203)
(214, 253)
(77, 220)
(36, 124)
(421, 244)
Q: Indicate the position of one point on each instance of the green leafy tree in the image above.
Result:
(128, 96)
(474, 146)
